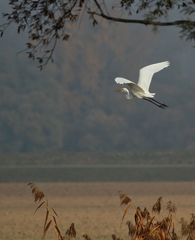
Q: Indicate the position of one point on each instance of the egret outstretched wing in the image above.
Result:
(146, 73)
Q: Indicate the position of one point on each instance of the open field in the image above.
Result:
(93, 207)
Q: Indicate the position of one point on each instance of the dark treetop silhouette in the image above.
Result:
(48, 21)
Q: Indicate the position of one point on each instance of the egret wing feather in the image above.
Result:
(120, 80)
(146, 73)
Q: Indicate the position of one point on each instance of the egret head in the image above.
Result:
(125, 90)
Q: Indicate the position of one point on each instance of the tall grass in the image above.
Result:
(157, 223)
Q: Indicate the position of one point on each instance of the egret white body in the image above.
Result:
(141, 89)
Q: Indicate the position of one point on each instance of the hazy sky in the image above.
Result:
(72, 105)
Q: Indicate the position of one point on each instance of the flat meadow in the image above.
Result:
(93, 207)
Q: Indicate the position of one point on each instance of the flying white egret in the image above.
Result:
(141, 89)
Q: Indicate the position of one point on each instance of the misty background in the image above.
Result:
(71, 107)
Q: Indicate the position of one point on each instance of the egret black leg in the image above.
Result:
(154, 100)
(158, 104)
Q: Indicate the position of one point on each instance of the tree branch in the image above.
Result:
(98, 6)
(142, 21)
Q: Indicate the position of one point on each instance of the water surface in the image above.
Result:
(87, 173)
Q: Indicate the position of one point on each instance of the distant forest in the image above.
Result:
(55, 114)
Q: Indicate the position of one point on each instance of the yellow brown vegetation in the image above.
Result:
(146, 225)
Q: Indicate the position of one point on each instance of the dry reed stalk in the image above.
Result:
(86, 237)
(38, 194)
(131, 228)
(125, 201)
(50, 213)
(171, 207)
(157, 206)
(70, 232)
